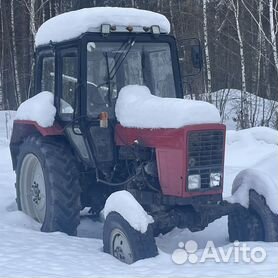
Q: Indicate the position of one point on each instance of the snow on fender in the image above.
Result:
(126, 205)
(257, 219)
(39, 108)
(260, 182)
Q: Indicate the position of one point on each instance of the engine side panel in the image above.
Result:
(171, 154)
(171, 170)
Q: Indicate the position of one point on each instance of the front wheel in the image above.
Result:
(47, 184)
(257, 223)
(124, 242)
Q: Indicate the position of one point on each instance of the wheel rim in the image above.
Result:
(120, 247)
(32, 188)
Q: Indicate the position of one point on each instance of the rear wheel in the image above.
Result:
(257, 223)
(47, 184)
(124, 242)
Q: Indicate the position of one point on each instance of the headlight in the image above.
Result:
(215, 179)
(194, 182)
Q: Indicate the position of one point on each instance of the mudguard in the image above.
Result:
(23, 129)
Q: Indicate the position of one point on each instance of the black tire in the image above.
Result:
(142, 245)
(257, 223)
(61, 179)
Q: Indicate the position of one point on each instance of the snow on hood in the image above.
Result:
(137, 107)
(126, 205)
(40, 108)
(72, 24)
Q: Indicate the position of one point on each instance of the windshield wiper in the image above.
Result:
(125, 49)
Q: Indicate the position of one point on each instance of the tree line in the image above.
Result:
(239, 38)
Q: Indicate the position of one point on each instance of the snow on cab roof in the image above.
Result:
(72, 24)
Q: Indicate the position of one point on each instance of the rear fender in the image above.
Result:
(24, 129)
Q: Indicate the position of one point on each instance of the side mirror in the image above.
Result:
(190, 57)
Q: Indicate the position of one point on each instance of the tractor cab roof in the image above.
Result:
(72, 24)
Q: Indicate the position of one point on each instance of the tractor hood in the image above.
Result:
(136, 107)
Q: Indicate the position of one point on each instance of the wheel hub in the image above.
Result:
(120, 247)
(35, 191)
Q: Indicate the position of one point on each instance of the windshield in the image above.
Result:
(111, 66)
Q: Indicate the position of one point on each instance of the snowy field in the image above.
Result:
(26, 252)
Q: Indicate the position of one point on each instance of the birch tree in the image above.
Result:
(273, 33)
(208, 71)
(172, 16)
(14, 49)
(244, 113)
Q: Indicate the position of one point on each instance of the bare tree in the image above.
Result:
(208, 71)
(273, 33)
(244, 113)
(14, 49)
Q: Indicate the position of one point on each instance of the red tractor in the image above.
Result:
(175, 174)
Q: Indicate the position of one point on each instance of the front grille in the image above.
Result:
(205, 154)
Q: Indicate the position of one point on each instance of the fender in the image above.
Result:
(25, 128)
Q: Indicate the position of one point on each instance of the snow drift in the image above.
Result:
(261, 134)
(261, 180)
(255, 150)
(137, 107)
(262, 110)
(72, 24)
(6, 125)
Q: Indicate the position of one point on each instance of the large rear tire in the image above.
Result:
(257, 223)
(47, 184)
(124, 242)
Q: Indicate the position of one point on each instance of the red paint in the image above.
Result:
(171, 154)
(23, 128)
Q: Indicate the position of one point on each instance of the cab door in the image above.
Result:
(68, 98)
(98, 103)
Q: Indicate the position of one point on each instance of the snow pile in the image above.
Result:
(245, 148)
(6, 125)
(39, 108)
(263, 179)
(228, 103)
(137, 107)
(126, 205)
(261, 134)
(252, 158)
(72, 24)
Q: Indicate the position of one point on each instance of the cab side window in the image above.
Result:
(69, 80)
(48, 74)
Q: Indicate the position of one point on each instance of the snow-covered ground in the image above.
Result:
(26, 252)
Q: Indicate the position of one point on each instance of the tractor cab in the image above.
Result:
(87, 72)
